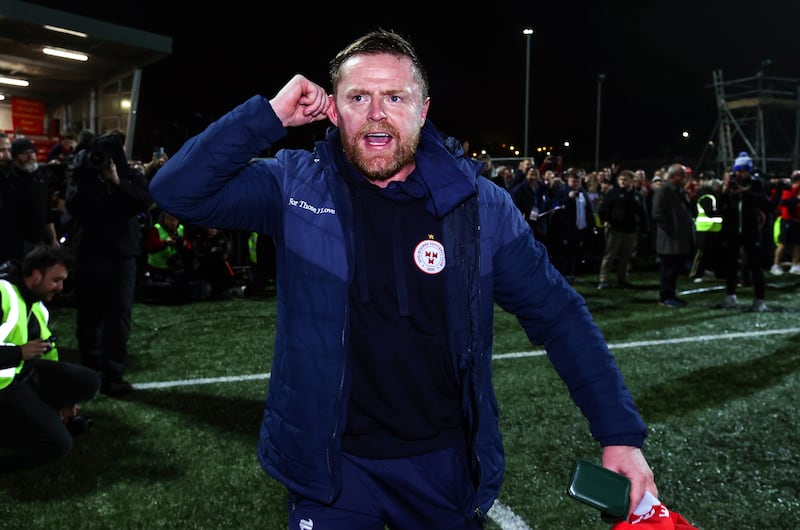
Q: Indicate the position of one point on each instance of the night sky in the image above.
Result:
(658, 59)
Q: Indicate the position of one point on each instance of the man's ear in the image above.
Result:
(333, 113)
(425, 106)
(35, 278)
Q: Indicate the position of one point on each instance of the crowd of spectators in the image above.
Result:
(600, 223)
(34, 191)
(597, 225)
(87, 198)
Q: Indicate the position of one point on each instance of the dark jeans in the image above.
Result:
(29, 412)
(567, 248)
(104, 292)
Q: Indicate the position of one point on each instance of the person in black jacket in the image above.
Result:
(745, 209)
(24, 202)
(571, 227)
(532, 197)
(623, 214)
(108, 198)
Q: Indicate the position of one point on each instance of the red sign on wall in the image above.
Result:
(27, 116)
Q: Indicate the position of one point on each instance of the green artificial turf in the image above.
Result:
(718, 389)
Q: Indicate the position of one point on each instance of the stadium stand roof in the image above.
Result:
(113, 50)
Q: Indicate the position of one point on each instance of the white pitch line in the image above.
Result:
(703, 289)
(499, 513)
(202, 381)
(506, 518)
(645, 343)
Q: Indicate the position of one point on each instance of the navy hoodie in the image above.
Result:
(405, 398)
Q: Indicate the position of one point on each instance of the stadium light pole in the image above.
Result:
(600, 79)
(528, 32)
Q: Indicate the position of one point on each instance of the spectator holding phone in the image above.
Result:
(159, 159)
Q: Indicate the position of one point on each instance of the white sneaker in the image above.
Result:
(698, 280)
(795, 269)
(776, 270)
(729, 302)
(759, 306)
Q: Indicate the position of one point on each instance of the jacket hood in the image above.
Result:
(11, 271)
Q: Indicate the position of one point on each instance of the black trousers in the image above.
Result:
(105, 290)
(670, 267)
(29, 412)
(750, 253)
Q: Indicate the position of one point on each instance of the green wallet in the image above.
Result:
(600, 488)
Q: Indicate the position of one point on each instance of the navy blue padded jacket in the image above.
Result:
(298, 198)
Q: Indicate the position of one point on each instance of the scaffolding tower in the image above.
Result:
(760, 115)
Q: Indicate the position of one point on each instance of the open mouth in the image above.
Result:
(378, 138)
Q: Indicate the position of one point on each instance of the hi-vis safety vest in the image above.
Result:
(252, 241)
(14, 329)
(704, 223)
(160, 259)
(776, 230)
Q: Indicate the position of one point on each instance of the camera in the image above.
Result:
(104, 149)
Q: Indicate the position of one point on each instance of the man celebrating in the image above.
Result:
(391, 254)
(38, 393)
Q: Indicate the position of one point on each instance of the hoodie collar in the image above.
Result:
(443, 174)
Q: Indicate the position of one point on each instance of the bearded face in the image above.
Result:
(26, 161)
(379, 110)
(46, 285)
(29, 167)
(384, 164)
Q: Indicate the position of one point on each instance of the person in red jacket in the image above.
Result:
(789, 230)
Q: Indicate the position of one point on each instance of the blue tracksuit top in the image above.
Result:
(300, 200)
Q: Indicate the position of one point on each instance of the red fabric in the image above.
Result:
(788, 195)
(656, 518)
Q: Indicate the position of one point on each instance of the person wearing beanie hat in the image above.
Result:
(744, 205)
(743, 162)
(24, 203)
(22, 145)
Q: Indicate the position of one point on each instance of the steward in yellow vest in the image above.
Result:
(166, 244)
(707, 220)
(39, 394)
(708, 225)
